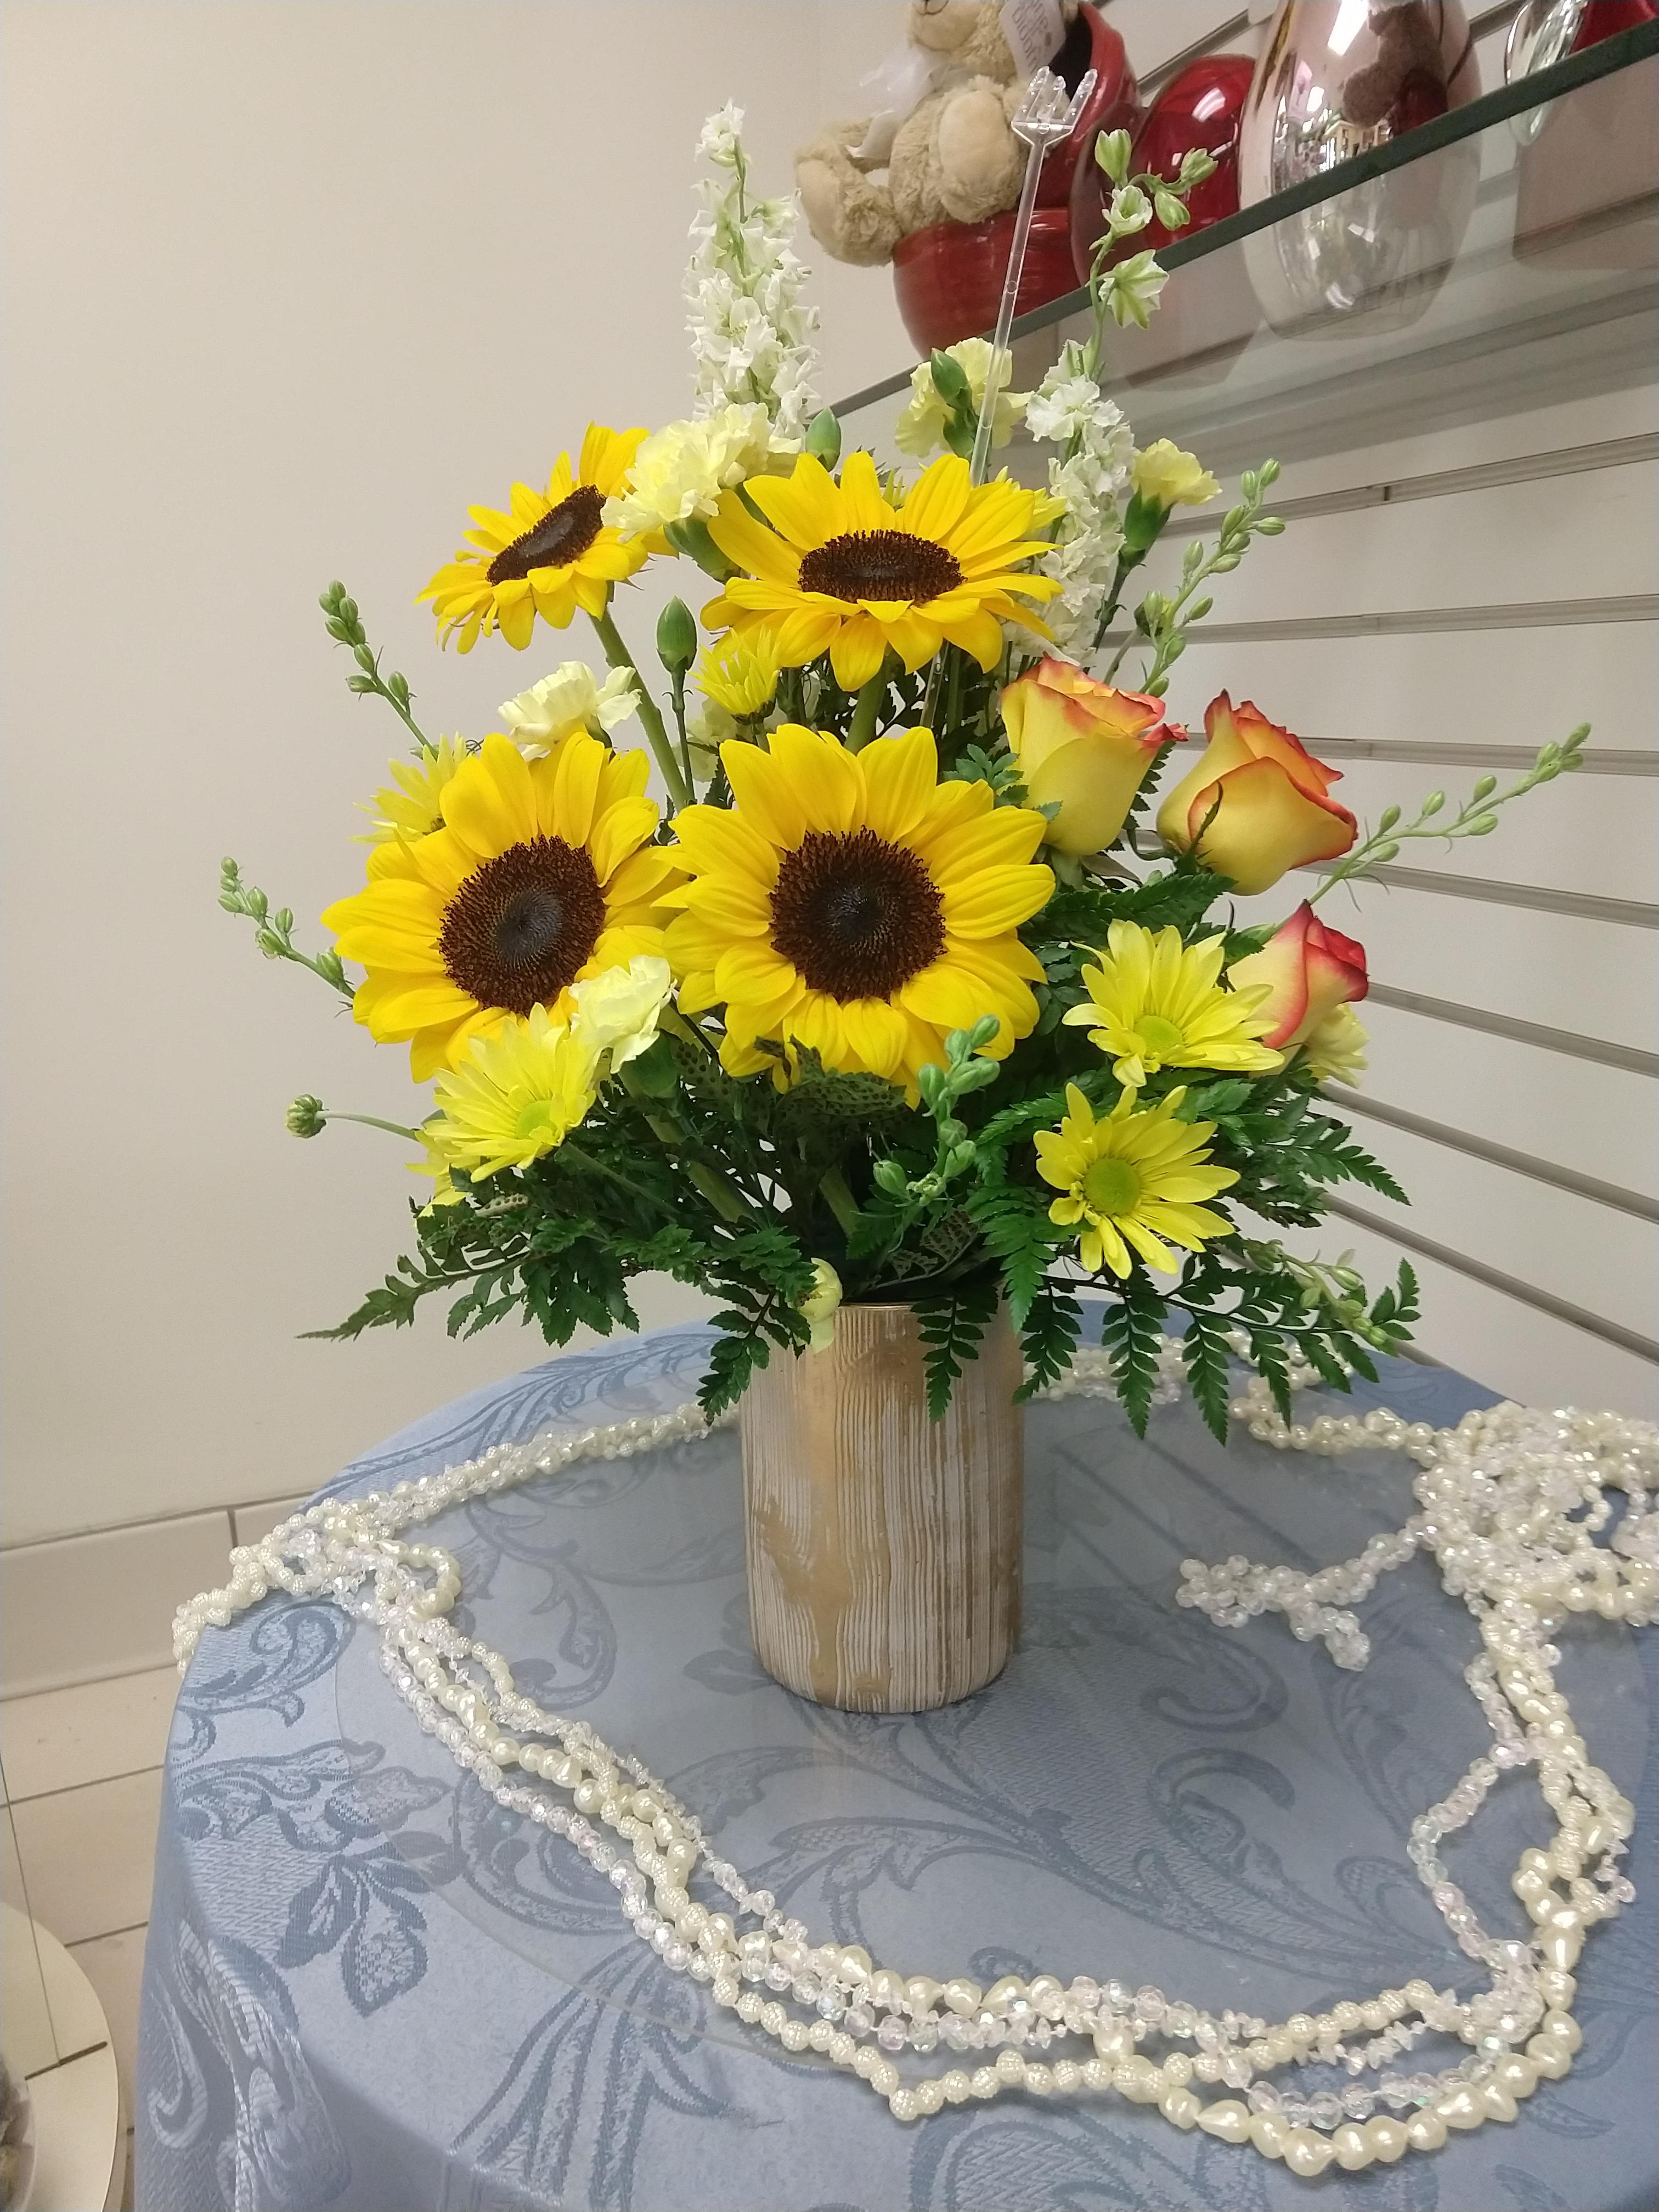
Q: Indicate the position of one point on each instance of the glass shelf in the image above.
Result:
(1452, 276)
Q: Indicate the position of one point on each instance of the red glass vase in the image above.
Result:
(1200, 106)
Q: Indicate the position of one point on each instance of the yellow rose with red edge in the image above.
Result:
(1256, 803)
(1171, 478)
(1083, 748)
(1310, 969)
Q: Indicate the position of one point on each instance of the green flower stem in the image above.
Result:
(866, 711)
(619, 657)
(670, 1133)
(678, 682)
(373, 1121)
(839, 1200)
(1476, 817)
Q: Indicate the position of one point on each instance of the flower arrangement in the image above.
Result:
(908, 994)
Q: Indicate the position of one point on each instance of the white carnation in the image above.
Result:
(568, 701)
(681, 470)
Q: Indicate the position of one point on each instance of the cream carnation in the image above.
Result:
(682, 470)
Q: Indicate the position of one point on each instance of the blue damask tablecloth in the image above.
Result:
(369, 1987)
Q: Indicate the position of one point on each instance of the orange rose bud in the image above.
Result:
(1256, 803)
(1084, 746)
(1311, 971)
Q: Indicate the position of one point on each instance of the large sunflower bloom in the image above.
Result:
(839, 569)
(1130, 1181)
(853, 904)
(542, 874)
(549, 556)
(1155, 1002)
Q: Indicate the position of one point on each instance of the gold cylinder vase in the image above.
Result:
(884, 1546)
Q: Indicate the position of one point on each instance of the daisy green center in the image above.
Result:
(1110, 1186)
(539, 1119)
(1159, 1039)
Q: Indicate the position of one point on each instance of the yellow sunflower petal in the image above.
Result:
(900, 774)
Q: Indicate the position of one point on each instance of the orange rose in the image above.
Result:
(1255, 804)
(1311, 971)
(1084, 746)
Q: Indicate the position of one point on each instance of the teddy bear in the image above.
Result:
(951, 158)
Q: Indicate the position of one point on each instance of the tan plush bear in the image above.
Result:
(952, 158)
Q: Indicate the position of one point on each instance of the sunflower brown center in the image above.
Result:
(880, 564)
(523, 927)
(563, 534)
(859, 917)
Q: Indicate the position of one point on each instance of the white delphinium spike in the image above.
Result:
(751, 334)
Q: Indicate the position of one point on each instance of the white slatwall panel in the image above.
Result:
(1368, 413)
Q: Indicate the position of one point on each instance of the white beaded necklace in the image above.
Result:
(1504, 1498)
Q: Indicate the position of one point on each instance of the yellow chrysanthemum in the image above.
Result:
(853, 904)
(550, 555)
(1132, 1180)
(542, 873)
(1335, 1052)
(1154, 1002)
(517, 1095)
(843, 570)
(412, 807)
(740, 673)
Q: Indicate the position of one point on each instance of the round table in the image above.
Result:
(369, 1986)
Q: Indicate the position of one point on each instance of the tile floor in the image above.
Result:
(83, 1771)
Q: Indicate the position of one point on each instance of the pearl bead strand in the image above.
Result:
(1499, 1495)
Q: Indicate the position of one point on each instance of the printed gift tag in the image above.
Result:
(1034, 30)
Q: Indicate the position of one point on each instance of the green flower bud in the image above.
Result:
(1387, 818)
(824, 437)
(890, 1177)
(677, 637)
(306, 1117)
(1112, 152)
(1486, 786)
(1171, 211)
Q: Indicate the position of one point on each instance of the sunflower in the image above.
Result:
(843, 570)
(1130, 1181)
(853, 904)
(411, 805)
(1155, 1003)
(550, 556)
(542, 873)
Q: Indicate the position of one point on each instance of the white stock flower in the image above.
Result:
(920, 428)
(680, 470)
(617, 1010)
(568, 701)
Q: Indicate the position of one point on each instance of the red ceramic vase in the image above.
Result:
(949, 276)
(1200, 106)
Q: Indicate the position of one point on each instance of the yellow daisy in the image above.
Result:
(853, 904)
(517, 1095)
(1130, 1181)
(542, 873)
(549, 556)
(740, 673)
(1154, 1002)
(411, 805)
(840, 568)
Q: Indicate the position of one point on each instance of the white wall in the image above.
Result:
(289, 285)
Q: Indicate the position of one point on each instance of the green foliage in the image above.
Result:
(1130, 1330)
(273, 929)
(1049, 1337)
(345, 626)
(951, 1323)
(1204, 1352)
